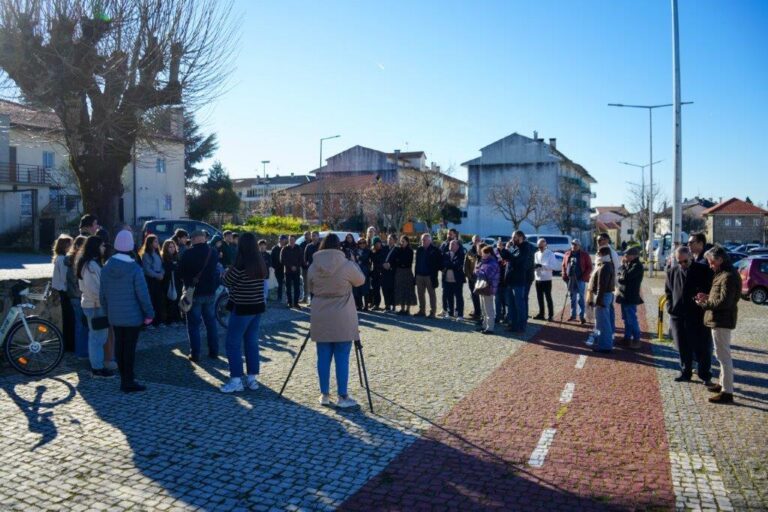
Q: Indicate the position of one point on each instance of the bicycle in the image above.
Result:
(32, 345)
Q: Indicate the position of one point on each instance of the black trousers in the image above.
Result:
(67, 322)
(475, 298)
(694, 341)
(388, 290)
(374, 296)
(280, 276)
(156, 295)
(293, 287)
(544, 290)
(125, 352)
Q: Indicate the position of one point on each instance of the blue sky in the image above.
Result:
(450, 77)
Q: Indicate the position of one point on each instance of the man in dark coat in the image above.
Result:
(453, 279)
(686, 320)
(630, 278)
(429, 261)
(518, 277)
(292, 259)
(445, 247)
(305, 266)
(388, 274)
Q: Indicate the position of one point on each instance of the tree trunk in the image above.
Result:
(101, 188)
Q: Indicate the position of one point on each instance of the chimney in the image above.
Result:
(535, 135)
(553, 143)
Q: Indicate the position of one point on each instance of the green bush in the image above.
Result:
(273, 226)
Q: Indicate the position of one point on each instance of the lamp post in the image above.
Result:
(650, 109)
(320, 202)
(264, 163)
(642, 181)
(677, 210)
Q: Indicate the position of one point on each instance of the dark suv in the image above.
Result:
(164, 228)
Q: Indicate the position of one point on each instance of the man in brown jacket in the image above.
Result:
(601, 292)
(720, 313)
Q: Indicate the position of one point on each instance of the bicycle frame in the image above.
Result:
(15, 313)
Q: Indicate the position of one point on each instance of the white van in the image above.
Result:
(555, 243)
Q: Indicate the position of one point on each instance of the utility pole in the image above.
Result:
(677, 210)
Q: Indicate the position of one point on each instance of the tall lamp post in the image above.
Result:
(642, 182)
(650, 109)
(264, 164)
(320, 212)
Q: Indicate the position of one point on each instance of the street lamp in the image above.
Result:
(320, 212)
(642, 181)
(650, 109)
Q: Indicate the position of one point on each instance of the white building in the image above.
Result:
(35, 175)
(254, 190)
(528, 161)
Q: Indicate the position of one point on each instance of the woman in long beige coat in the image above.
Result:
(333, 320)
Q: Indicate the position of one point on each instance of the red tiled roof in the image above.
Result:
(619, 210)
(334, 184)
(22, 115)
(734, 206)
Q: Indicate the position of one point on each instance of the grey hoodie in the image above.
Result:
(123, 292)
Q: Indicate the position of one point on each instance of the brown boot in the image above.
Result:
(714, 388)
(722, 398)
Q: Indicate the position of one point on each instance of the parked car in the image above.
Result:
(341, 234)
(559, 256)
(758, 250)
(164, 228)
(736, 257)
(745, 248)
(555, 243)
(754, 279)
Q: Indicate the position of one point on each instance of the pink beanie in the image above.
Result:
(124, 241)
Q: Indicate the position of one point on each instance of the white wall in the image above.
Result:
(153, 186)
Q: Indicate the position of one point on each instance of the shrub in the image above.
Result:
(273, 226)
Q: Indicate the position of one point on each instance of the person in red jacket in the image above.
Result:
(577, 268)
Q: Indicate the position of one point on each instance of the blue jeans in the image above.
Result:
(612, 316)
(81, 330)
(631, 325)
(203, 310)
(96, 339)
(517, 307)
(603, 323)
(340, 353)
(243, 331)
(577, 291)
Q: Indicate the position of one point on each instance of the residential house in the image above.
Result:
(693, 216)
(736, 221)
(358, 168)
(36, 180)
(527, 161)
(616, 221)
(253, 191)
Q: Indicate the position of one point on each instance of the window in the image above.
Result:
(49, 159)
(737, 222)
(727, 222)
(26, 204)
(168, 202)
(160, 165)
(756, 222)
(764, 267)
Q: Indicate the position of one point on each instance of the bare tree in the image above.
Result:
(514, 201)
(638, 202)
(109, 70)
(393, 202)
(544, 207)
(569, 208)
(430, 196)
(338, 206)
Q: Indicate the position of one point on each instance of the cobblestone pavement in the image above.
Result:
(462, 422)
(718, 452)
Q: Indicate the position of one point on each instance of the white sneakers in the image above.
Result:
(234, 385)
(252, 382)
(343, 403)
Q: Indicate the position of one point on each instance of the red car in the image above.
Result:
(754, 279)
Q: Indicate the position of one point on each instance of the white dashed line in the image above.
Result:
(580, 362)
(540, 453)
(567, 394)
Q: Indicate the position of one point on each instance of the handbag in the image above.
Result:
(172, 294)
(100, 323)
(188, 295)
(480, 285)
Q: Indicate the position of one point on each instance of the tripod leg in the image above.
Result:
(357, 358)
(293, 366)
(359, 349)
(565, 303)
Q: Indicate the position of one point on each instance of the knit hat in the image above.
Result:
(124, 241)
(375, 240)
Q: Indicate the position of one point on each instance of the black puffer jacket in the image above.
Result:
(630, 278)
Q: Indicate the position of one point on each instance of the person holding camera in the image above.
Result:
(544, 263)
(333, 317)
(577, 268)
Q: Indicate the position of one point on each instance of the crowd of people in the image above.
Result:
(110, 289)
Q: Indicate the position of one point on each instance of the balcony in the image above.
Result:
(21, 174)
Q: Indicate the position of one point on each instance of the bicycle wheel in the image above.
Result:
(37, 355)
(222, 313)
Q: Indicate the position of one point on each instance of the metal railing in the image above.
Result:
(23, 174)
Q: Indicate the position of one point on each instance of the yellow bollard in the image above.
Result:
(660, 324)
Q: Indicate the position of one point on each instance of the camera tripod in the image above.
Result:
(361, 371)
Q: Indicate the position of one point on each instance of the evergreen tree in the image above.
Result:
(197, 147)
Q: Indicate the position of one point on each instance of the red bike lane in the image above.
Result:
(554, 427)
